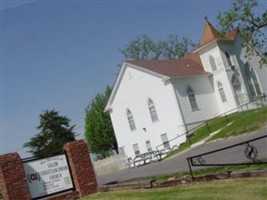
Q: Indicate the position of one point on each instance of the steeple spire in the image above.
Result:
(210, 33)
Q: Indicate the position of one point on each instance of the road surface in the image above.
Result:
(179, 162)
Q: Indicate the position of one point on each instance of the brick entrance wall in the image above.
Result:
(13, 182)
(12, 177)
(81, 167)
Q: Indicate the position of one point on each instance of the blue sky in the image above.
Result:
(60, 54)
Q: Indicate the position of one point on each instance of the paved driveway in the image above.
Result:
(179, 162)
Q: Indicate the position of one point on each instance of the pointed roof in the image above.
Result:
(185, 66)
(189, 65)
(210, 34)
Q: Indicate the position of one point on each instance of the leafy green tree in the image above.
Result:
(99, 132)
(54, 132)
(174, 48)
(252, 24)
(144, 48)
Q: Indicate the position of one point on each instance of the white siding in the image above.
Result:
(135, 88)
(223, 74)
(225, 79)
(204, 94)
(260, 70)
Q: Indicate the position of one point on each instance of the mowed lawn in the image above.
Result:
(239, 123)
(230, 189)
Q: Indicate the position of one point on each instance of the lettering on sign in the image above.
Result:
(47, 176)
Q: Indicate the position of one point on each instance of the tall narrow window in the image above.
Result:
(165, 141)
(192, 98)
(228, 58)
(212, 63)
(152, 111)
(148, 146)
(130, 120)
(136, 149)
(253, 83)
(236, 83)
(240, 98)
(221, 91)
(256, 82)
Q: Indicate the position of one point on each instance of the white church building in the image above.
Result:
(153, 101)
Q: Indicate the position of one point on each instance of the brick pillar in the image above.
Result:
(12, 178)
(81, 167)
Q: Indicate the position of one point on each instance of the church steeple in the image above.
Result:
(210, 33)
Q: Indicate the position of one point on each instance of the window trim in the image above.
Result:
(192, 98)
(228, 58)
(150, 147)
(212, 63)
(165, 143)
(138, 149)
(236, 82)
(221, 92)
(130, 119)
(152, 110)
(252, 81)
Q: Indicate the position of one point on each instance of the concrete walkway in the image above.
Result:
(199, 143)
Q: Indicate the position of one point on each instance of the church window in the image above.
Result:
(236, 84)
(131, 120)
(239, 96)
(192, 98)
(253, 83)
(221, 92)
(165, 141)
(212, 63)
(152, 110)
(148, 146)
(228, 58)
(136, 149)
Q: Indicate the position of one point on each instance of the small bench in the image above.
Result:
(148, 157)
(143, 159)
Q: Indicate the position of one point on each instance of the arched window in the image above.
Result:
(221, 91)
(152, 111)
(192, 98)
(240, 98)
(253, 83)
(228, 58)
(130, 120)
(212, 63)
(236, 83)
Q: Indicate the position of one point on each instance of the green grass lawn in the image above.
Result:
(244, 122)
(240, 123)
(230, 189)
(234, 189)
(201, 172)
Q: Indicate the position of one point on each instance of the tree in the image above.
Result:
(55, 131)
(99, 132)
(252, 26)
(144, 48)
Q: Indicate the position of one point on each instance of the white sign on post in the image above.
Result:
(47, 176)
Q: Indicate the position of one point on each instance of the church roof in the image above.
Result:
(185, 66)
(189, 64)
(210, 34)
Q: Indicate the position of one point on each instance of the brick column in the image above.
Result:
(12, 178)
(81, 167)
